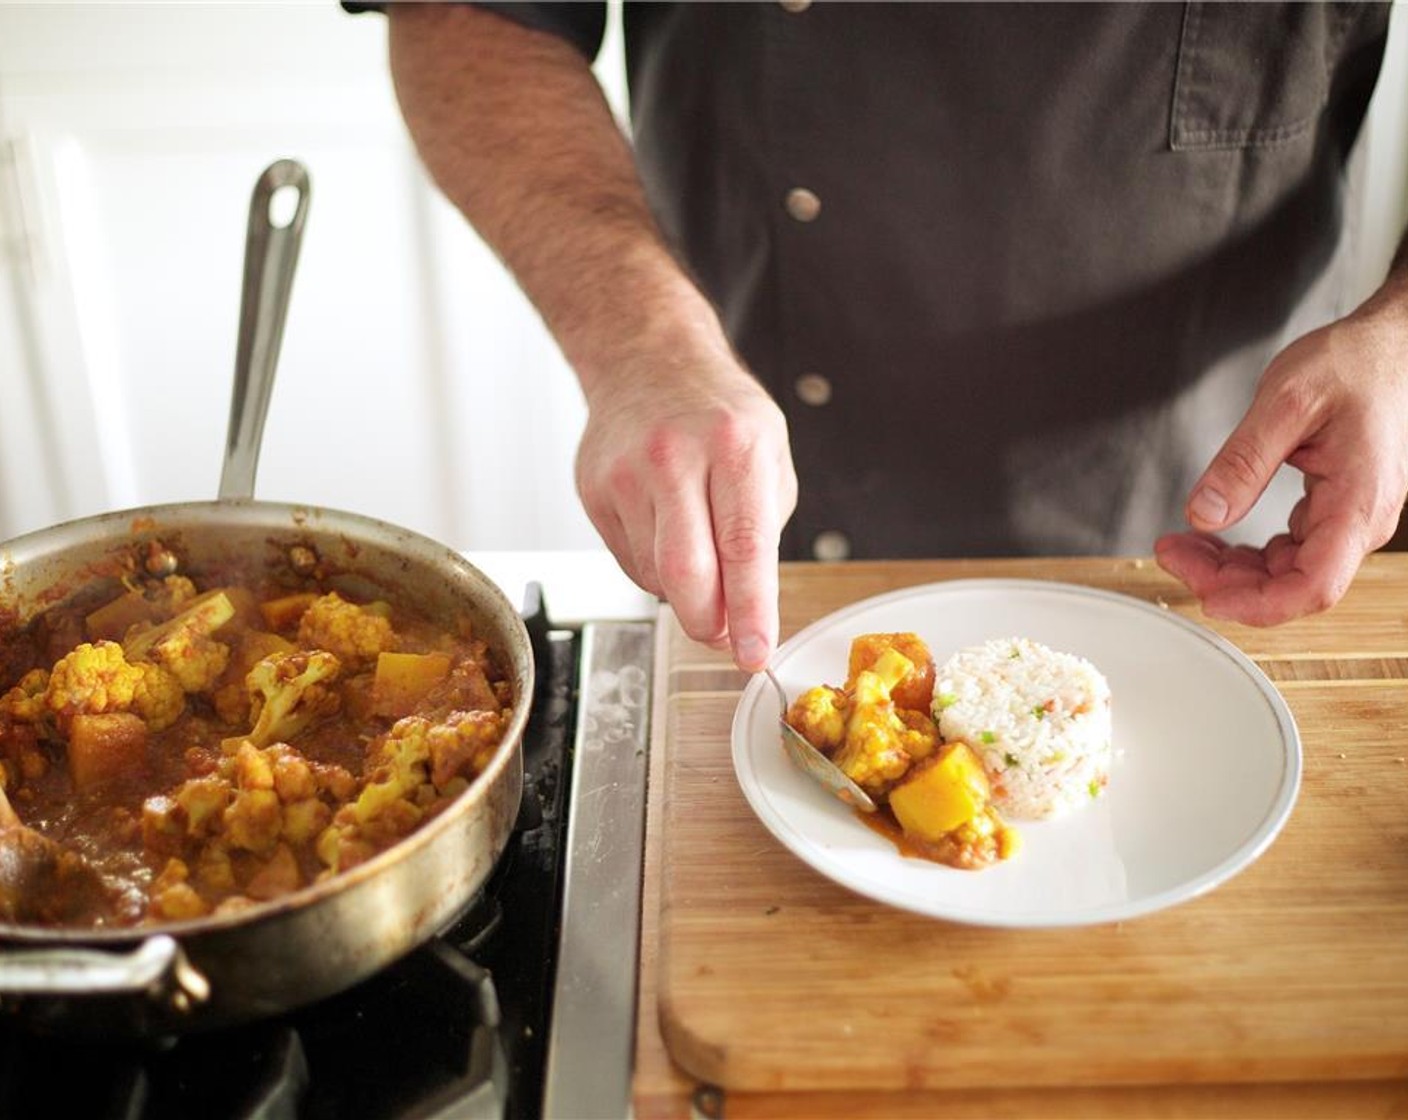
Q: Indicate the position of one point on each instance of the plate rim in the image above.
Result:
(1261, 836)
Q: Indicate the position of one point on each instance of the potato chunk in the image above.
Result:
(113, 619)
(403, 680)
(105, 746)
(916, 690)
(283, 614)
(940, 796)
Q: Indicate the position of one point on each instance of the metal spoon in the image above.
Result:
(813, 761)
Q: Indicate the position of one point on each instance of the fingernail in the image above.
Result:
(751, 651)
(1208, 506)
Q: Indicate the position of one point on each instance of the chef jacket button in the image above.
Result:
(813, 389)
(803, 204)
(831, 545)
(794, 6)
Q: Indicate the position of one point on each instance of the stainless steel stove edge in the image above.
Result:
(592, 1032)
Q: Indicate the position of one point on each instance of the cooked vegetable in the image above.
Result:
(915, 690)
(879, 746)
(413, 771)
(403, 680)
(879, 730)
(938, 797)
(199, 620)
(820, 715)
(105, 746)
(290, 691)
(354, 634)
(26, 702)
(232, 699)
(96, 677)
(284, 612)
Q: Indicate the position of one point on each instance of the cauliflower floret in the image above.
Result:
(920, 737)
(278, 876)
(202, 801)
(22, 714)
(172, 896)
(292, 776)
(413, 769)
(25, 702)
(215, 871)
(93, 677)
(173, 592)
(820, 715)
(231, 698)
(184, 645)
(253, 820)
(397, 764)
(159, 697)
(304, 819)
(876, 751)
(96, 677)
(464, 744)
(290, 691)
(194, 659)
(354, 634)
(416, 749)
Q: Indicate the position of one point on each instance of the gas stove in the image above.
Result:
(523, 1006)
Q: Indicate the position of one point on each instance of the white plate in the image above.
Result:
(1206, 772)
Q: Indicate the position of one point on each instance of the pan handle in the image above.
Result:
(270, 256)
(157, 968)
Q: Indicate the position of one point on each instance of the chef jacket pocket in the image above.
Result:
(1253, 74)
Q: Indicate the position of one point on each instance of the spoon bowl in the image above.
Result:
(813, 761)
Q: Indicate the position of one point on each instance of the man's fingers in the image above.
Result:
(688, 567)
(1285, 580)
(623, 515)
(1282, 552)
(748, 520)
(1239, 473)
(1274, 426)
(1204, 563)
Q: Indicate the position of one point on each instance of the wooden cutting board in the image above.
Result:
(768, 977)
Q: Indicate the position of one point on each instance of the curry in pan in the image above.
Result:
(191, 746)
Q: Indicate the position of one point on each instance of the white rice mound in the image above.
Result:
(1039, 719)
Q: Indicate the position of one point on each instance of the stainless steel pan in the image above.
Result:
(292, 951)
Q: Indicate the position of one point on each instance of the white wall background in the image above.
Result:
(415, 384)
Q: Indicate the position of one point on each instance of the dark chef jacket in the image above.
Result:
(1011, 271)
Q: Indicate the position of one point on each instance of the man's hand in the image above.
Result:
(687, 475)
(1334, 405)
(684, 466)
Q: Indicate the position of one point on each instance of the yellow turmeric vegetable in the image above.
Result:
(403, 680)
(937, 798)
(873, 753)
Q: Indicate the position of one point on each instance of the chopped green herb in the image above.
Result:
(1094, 787)
(987, 737)
(946, 700)
(1010, 759)
(1015, 655)
(1039, 711)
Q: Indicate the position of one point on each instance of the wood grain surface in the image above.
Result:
(1284, 992)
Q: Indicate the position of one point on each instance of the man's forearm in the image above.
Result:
(516, 132)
